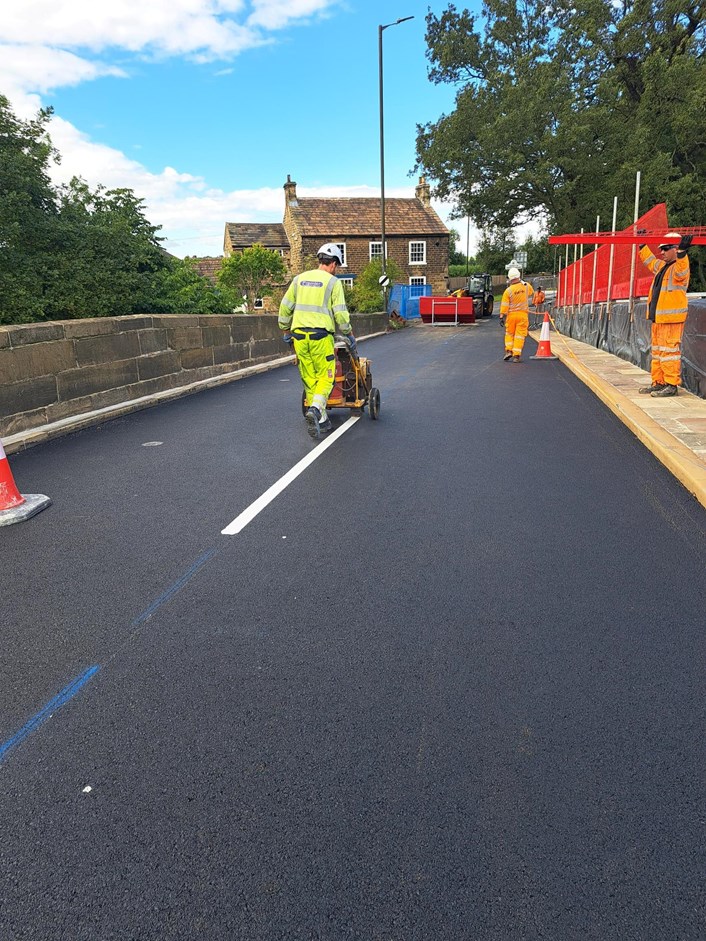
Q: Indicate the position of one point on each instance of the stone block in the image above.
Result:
(16, 423)
(90, 380)
(92, 327)
(36, 359)
(171, 321)
(152, 341)
(184, 338)
(35, 333)
(216, 335)
(225, 354)
(4, 338)
(28, 395)
(108, 349)
(193, 359)
(158, 364)
(59, 410)
(133, 322)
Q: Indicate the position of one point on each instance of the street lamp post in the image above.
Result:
(382, 151)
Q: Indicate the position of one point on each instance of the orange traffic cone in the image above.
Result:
(14, 506)
(544, 350)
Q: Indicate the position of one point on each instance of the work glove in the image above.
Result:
(686, 241)
(502, 320)
(352, 345)
(288, 338)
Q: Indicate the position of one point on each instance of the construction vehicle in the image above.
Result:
(480, 288)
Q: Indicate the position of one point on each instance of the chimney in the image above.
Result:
(290, 192)
(423, 192)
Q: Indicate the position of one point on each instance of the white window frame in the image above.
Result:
(347, 281)
(342, 246)
(372, 256)
(414, 250)
(417, 279)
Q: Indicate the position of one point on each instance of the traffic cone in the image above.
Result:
(15, 506)
(544, 350)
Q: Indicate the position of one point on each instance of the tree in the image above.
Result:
(366, 294)
(559, 105)
(251, 274)
(497, 246)
(179, 289)
(455, 257)
(28, 212)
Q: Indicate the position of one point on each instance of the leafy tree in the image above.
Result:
(178, 288)
(497, 246)
(366, 294)
(253, 273)
(28, 212)
(559, 105)
(455, 257)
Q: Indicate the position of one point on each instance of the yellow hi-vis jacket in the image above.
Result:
(516, 298)
(315, 299)
(672, 305)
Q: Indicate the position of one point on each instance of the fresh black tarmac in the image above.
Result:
(449, 685)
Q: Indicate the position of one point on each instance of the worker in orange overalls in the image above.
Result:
(514, 311)
(667, 308)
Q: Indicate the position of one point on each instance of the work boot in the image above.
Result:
(312, 420)
(665, 391)
(655, 387)
(325, 425)
(515, 359)
(508, 355)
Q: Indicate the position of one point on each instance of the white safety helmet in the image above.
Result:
(671, 237)
(513, 274)
(332, 251)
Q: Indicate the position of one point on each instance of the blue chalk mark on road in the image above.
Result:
(61, 698)
(173, 589)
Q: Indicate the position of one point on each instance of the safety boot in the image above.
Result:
(516, 359)
(325, 425)
(655, 387)
(508, 355)
(665, 391)
(312, 420)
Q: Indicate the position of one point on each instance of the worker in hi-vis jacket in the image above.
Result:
(514, 310)
(312, 310)
(667, 308)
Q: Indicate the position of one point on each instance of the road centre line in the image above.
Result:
(249, 514)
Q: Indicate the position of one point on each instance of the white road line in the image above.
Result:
(241, 521)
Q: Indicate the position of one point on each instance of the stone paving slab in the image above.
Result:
(674, 429)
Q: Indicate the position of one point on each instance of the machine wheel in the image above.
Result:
(374, 403)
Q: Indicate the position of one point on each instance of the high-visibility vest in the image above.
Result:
(672, 305)
(315, 299)
(516, 299)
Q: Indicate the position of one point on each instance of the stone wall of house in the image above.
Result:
(358, 256)
(60, 370)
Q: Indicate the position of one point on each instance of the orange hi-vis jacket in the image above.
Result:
(672, 305)
(516, 299)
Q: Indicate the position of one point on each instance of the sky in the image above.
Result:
(203, 107)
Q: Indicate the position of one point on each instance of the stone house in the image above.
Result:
(417, 239)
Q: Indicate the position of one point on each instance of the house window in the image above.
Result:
(375, 249)
(348, 282)
(417, 253)
(342, 246)
(416, 285)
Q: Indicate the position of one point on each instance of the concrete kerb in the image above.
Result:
(675, 456)
(33, 436)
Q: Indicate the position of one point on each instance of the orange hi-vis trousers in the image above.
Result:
(516, 327)
(666, 353)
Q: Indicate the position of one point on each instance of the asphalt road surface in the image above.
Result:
(448, 684)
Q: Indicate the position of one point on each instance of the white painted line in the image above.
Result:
(241, 521)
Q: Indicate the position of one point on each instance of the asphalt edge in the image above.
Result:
(675, 456)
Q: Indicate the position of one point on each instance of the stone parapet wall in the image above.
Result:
(53, 371)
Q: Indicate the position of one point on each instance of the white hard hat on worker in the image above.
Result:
(513, 274)
(331, 251)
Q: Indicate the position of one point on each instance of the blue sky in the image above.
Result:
(203, 107)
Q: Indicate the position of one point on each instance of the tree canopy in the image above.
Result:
(558, 105)
(252, 274)
(69, 251)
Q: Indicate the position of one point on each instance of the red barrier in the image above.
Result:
(576, 281)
